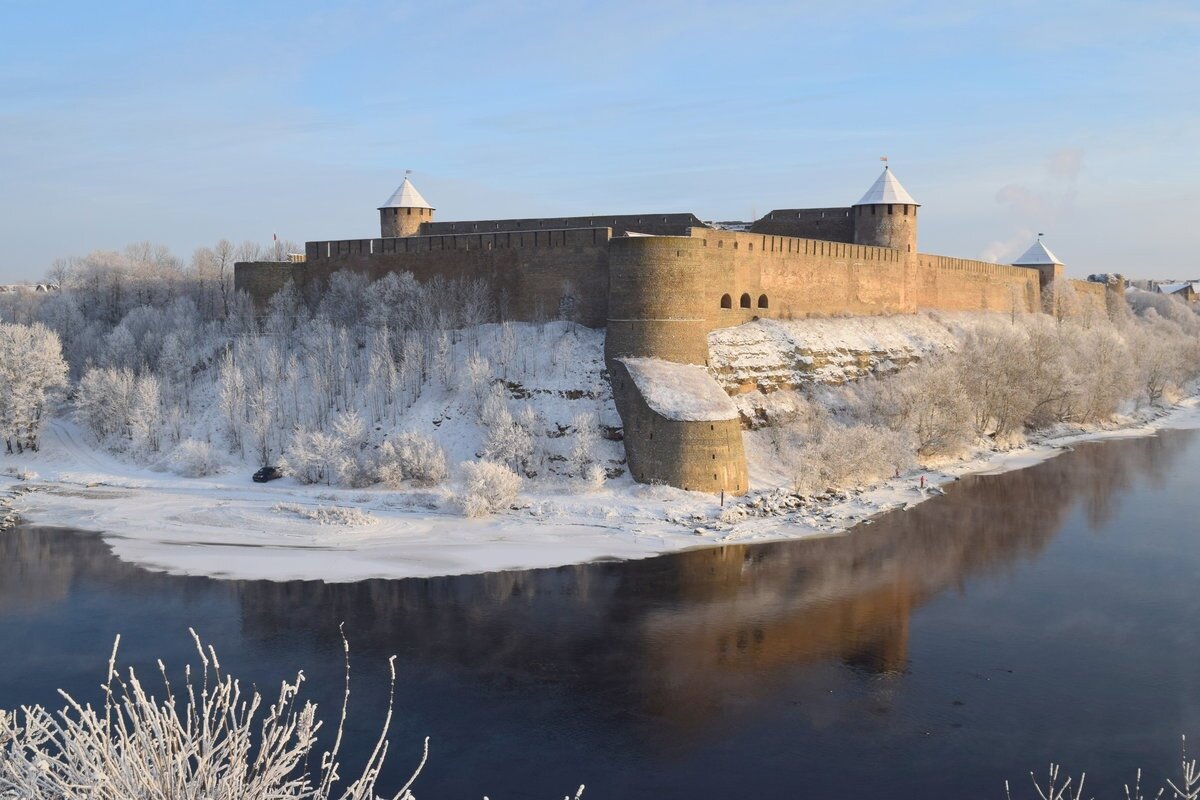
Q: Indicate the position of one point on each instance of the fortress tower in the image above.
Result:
(404, 212)
(1039, 257)
(886, 216)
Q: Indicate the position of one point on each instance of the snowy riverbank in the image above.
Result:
(226, 526)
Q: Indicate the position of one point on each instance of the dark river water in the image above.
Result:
(1051, 613)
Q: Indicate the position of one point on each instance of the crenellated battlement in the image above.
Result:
(549, 238)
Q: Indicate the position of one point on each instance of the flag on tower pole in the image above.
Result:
(883, 159)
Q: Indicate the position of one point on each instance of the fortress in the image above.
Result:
(659, 283)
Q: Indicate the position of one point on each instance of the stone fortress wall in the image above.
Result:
(659, 283)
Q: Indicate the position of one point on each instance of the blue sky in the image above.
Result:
(186, 123)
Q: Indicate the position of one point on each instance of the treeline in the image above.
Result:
(172, 366)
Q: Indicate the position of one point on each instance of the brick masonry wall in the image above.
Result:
(656, 224)
(403, 221)
(960, 284)
(656, 299)
(530, 272)
(261, 279)
(1092, 296)
(887, 225)
(829, 224)
(704, 456)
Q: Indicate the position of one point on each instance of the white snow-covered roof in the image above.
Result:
(1172, 288)
(1037, 254)
(406, 196)
(683, 392)
(886, 190)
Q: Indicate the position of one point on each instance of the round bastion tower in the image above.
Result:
(886, 216)
(404, 212)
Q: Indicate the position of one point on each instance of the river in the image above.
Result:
(1046, 614)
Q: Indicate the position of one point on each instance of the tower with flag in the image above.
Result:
(405, 211)
(886, 216)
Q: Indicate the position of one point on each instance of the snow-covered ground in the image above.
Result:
(771, 354)
(226, 526)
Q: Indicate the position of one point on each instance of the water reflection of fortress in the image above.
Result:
(669, 636)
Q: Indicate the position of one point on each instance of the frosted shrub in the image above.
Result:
(412, 456)
(927, 402)
(487, 487)
(593, 478)
(206, 739)
(1101, 374)
(345, 516)
(993, 369)
(311, 456)
(842, 456)
(194, 459)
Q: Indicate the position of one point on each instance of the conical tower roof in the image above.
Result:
(1037, 255)
(406, 196)
(886, 190)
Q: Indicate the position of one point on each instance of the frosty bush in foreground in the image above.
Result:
(208, 740)
(194, 459)
(412, 456)
(487, 487)
(852, 455)
(1060, 786)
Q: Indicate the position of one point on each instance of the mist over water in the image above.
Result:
(1043, 614)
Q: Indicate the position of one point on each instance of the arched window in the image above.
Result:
(762, 301)
(726, 301)
(745, 301)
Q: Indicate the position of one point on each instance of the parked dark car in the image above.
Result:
(267, 474)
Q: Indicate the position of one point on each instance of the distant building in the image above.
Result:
(1184, 290)
(15, 288)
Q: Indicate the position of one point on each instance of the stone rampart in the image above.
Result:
(756, 275)
(656, 293)
(1093, 297)
(962, 284)
(652, 224)
(828, 224)
(530, 272)
(700, 456)
(262, 279)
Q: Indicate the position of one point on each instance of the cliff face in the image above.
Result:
(768, 355)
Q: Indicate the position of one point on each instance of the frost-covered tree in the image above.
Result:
(583, 446)
(232, 398)
(505, 440)
(104, 402)
(31, 366)
(145, 418)
(352, 463)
